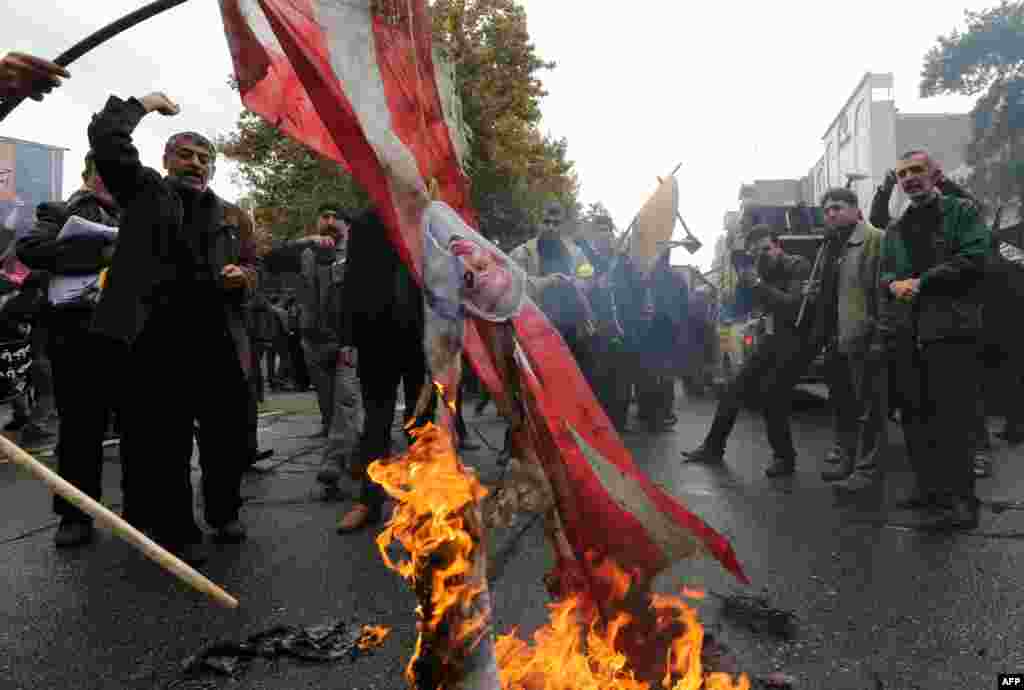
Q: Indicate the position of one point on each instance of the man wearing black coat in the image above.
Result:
(382, 336)
(771, 373)
(175, 295)
(84, 362)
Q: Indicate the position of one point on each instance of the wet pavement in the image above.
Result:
(877, 603)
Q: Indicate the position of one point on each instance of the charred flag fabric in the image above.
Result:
(359, 82)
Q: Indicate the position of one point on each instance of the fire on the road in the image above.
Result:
(633, 642)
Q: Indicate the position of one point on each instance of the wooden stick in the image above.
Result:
(140, 541)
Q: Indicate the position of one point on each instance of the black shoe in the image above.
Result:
(919, 500)
(840, 472)
(1011, 436)
(193, 553)
(782, 467)
(232, 533)
(861, 480)
(73, 533)
(834, 457)
(16, 424)
(704, 454)
(35, 438)
(961, 515)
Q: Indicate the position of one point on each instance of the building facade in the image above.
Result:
(869, 133)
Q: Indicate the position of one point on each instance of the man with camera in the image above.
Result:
(777, 280)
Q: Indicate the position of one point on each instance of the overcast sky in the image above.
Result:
(735, 91)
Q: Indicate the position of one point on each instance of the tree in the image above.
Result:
(288, 181)
(987, 59)
(514, 168)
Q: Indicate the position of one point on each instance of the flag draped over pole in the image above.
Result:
(356, 81)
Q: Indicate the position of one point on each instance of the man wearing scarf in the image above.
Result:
(847, 317)
(175, 294)
(933, 263)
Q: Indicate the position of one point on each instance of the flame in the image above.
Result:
(577, 650)
(634, 640)
(372, 636)
(433, 490)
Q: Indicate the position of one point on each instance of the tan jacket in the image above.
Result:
(859, 271)
(528, 257)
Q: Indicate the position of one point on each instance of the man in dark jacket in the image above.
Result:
(382, 336)
(175, 294)
(84, 362)
(775, 366)
(320, 260)
(933, 262)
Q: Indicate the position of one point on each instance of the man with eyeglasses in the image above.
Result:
(933, 263)
(175, 295)
(768, 377)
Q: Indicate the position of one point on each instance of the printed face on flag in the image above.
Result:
(488, 284)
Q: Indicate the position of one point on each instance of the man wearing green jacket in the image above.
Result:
(933, 260)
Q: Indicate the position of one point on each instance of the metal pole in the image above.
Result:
(99, 37)
(814, 272)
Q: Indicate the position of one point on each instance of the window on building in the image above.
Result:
(828, 164)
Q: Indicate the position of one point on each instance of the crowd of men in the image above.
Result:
(170, 302)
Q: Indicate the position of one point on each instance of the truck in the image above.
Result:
(30, 173)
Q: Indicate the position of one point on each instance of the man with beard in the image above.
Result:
(320, 260)
(846, 303)
(556, 269)
(933, 263)
(83, 361)
(175, 295)
(777, 280)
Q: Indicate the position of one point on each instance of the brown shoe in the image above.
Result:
(360, 515)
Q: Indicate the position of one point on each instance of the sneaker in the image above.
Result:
(781, 467)
(704, 454)
(232, 533)
(73, 533)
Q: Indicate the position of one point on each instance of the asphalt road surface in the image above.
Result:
(878, 603)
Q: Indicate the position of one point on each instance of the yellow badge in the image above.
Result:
(585, 271)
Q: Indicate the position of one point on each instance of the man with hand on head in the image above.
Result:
(933, 263)
(175, 294)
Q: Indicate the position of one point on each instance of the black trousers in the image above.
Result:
(381, 369)
(767, 379)
(86, 370)
(183, 370)
(941, 389)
